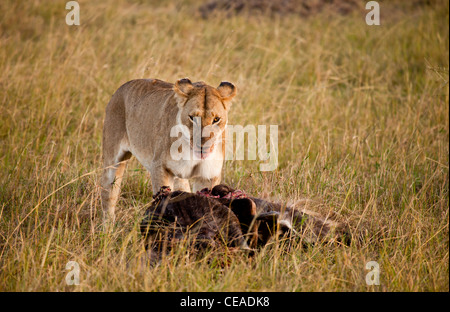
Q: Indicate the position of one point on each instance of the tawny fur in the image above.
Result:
(138, 121)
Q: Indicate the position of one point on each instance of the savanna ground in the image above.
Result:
(363, 125)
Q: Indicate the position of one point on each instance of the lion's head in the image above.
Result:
(204, 111)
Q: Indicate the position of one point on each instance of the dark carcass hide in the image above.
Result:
(182, 217)
(231, 217)
(271, 219)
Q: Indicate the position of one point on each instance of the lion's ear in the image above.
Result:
(226, 90)
(183, 87)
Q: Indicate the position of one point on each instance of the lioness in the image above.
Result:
(140, 120)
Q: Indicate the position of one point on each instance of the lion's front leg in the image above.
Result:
(181, 185)
(201, 183)
(160, 177)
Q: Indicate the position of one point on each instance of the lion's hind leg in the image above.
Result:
(111, 182)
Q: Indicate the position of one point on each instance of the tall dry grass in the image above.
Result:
(363, 126)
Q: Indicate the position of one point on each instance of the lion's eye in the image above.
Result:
(216, 120)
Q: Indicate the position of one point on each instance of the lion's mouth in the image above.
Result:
(202, 152)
